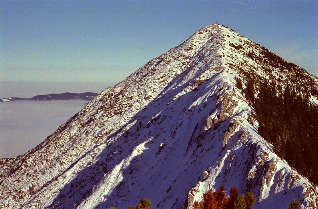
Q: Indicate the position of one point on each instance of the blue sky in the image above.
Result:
(97, 41)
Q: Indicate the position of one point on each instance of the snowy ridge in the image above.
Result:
(314, 100)
(154, 134)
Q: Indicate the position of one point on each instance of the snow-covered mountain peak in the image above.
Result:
(152, 135)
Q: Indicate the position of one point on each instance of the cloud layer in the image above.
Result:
(25, 124)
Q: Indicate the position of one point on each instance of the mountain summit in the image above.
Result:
(208, 106)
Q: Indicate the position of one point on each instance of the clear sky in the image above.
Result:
(51, 40)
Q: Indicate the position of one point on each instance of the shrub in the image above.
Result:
(249, 199)
(240, 202)
(233, 195)
(295, 204)
(144, 204)
(218, 200)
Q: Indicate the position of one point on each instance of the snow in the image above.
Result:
(154, 134)
(314, 100)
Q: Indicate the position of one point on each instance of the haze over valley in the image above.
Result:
(24, 124)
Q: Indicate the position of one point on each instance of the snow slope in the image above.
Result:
(155, 133)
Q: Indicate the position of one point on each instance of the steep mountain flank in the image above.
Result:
(282, 96)
(190, 111)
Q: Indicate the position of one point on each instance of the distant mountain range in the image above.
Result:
(48, 97)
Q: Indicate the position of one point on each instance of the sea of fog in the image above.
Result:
(24, 124)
